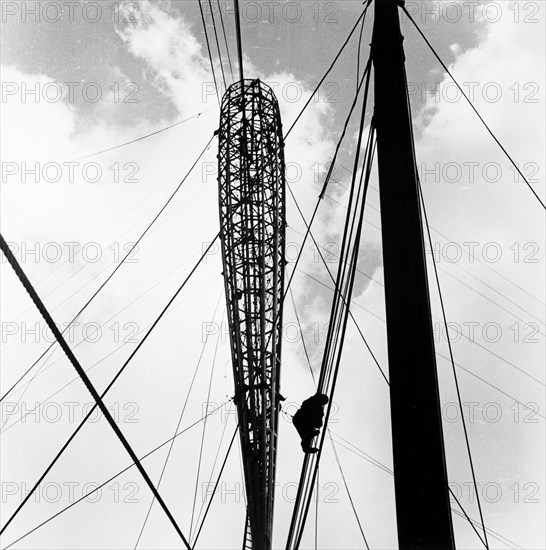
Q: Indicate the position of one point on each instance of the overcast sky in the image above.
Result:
(81, 77)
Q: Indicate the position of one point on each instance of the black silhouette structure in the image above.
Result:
(308, 420)
(252, 217)
(420, 473)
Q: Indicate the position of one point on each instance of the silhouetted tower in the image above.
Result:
(420, 474)
(252, 217)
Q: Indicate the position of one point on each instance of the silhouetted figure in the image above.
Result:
(308, 420)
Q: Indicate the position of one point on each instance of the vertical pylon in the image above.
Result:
(420, 474)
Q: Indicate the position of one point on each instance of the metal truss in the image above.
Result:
(252, 216)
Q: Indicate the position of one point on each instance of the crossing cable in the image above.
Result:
(83, 340)
(131, 250)
(473, 258)
(329, 174)
(333, 281)
(208, 49)
(335, 155)
(71, 258)
(338, 323)
(326, 181)
(198, 520)
(139, 345)
(204, 430)
(470, 339)
(471, 105)
(99, 487)
(334, 255)
(513, 302)
(444, 318)
(98, 275)
(215, 486)
(225, 39)
(366, 74)
(178, 426)
(361, 454)
(218, 44)
(515, 399)
(329, 68)
(331, 440)
(470, 255)
(106, 268)
(137, 335)
(347, 489)
(349, 229)
(144, 137)
(364, 455)
(485, 297)
(98, 399)
(359, 47)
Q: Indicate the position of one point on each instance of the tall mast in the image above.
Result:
(421, 485)
(251, 181)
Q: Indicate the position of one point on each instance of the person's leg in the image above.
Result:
(306, 442)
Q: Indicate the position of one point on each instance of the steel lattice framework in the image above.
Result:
(252, 217)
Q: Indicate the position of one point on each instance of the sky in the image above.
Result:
(82, 77)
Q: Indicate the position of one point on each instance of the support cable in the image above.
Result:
(215, 486)
(326, 181)
(336, 334)
(177, 427)
(139, 345)
(459, 399)
(337, 325)
(203, 433)
(70, 258)
(514, 164)
(131, 250)
(225, 40)
(360, 47)
(98, 399)
(513, 398)
(333, 281)
(198, 520)
(217, 44)
(104, 357)
(473, 258)
(328, 70)
(348, 492)
(144, 137)
(331, 441)
(444, 317)
(99, 487)
(208, 49)
(328, 176)
(470, 255)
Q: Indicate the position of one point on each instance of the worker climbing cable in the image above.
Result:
(308, 420)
